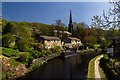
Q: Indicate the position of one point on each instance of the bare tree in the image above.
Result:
(110, 19)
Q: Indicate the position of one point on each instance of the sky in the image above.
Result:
(48, 12)
(0, 8)
(57, 0)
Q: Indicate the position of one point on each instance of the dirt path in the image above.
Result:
(96, 67)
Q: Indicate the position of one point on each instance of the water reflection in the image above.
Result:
(70, 67)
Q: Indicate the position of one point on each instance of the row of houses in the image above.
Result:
(52, 41)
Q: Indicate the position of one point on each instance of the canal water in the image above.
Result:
(73, 67)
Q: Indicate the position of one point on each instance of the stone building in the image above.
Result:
(50, 41)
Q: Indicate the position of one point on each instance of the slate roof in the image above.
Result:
(73, 38)
(50, 38)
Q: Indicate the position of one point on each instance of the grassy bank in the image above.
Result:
(91, 69)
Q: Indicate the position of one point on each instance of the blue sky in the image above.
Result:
(0, 8)
(57, 0)
(48, 12)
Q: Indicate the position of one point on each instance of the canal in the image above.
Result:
(74, 67)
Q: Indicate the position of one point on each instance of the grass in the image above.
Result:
(91, 69)
(9, 52)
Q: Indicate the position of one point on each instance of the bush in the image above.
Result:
(9, 52)
(96, 46)
(23, 45)
(44, 52)
(7, 75)
(35, 53)
(55, 49)
(8, 40)
(35, 66)
(48, 52)
(24, 57)
(52, 50)
(38, 46)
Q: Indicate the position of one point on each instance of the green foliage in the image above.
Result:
(23, 45)
(96, 46)
(36, 54)
(7, 75)
(91, 39)
(38, 46)
(7, 40)
(56, 49)
(44, 52)
(105, 56)
(25, 58)
(17, 28)
(30, 31)
(4, 23)
(48, 52)
(43, 29)
(105, 43)
(9, 52)
(35, 66)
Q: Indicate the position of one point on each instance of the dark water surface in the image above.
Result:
(74, 67)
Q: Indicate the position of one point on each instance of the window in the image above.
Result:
(117, 40)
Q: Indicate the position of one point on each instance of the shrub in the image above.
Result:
(55, 49)
(7, 75)
(38, 46)
(43, 52)
(48, 52)
(35, 53)
(23, 45)
(96, 46)
(35, 66)
(52, 50)
(24, 57)
(8, 40)
(9, 52)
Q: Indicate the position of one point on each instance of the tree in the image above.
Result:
(110, 22)
(59, 25)
(23, 45)
(8, 40)
(110, 19)
(80, 31)
(4, 23)
(91, 40)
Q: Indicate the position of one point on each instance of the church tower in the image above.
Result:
(70, 26)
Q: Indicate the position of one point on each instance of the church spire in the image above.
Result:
(70, 26)
(70, 17)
